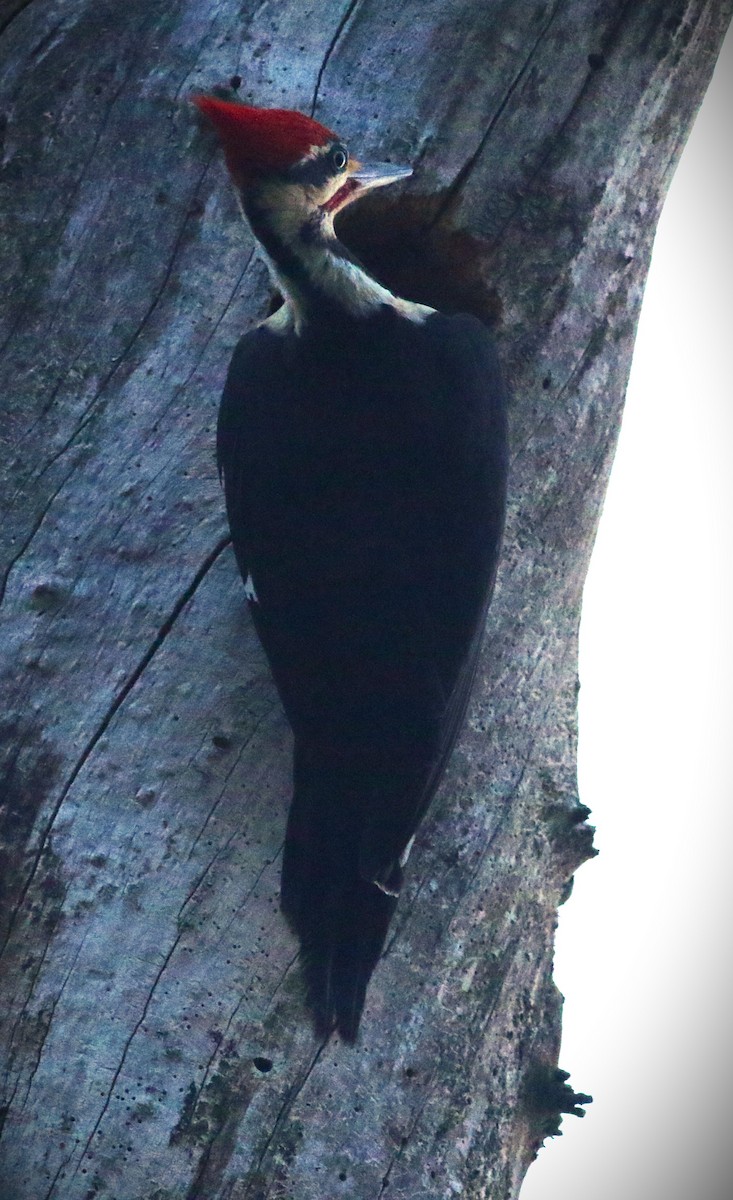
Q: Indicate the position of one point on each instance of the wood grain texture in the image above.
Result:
(155, 1043)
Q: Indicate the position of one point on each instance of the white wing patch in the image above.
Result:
(249, 589)
(406, 852)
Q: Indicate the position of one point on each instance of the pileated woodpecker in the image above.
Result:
(362, 445)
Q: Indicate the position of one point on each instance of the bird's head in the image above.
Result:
(290, 167)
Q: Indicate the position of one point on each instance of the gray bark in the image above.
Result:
(155, 1042)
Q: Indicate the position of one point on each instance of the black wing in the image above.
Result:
(365, 474)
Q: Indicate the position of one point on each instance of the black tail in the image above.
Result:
(340, 917)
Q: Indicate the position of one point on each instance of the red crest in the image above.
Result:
(258, 140)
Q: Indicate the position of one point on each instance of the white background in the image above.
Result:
(645, 941)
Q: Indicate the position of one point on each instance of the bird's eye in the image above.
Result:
(339, 157)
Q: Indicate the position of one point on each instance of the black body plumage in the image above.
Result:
(364, 464)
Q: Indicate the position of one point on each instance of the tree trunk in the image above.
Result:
(156, 1045)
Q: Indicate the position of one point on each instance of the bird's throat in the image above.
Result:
(315, 271)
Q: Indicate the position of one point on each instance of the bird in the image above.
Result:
(362, 445)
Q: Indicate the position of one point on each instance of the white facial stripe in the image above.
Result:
(288, 209)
